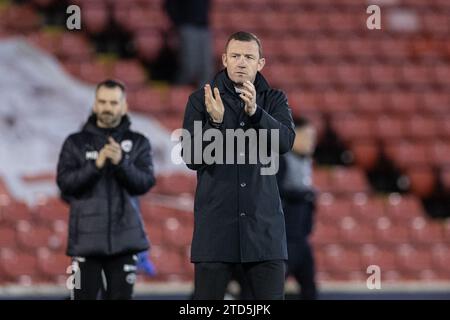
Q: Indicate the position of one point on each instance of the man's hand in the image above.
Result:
(214, 104)
(248, 94)
(113, 151)
(101, 159)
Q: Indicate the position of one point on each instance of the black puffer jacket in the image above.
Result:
(105, 217)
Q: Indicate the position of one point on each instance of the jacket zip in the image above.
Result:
(108, 193)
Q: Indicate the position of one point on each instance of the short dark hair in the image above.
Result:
(112, 83)
(245, 36)
(301, 122)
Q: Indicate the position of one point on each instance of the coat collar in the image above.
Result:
(224, 83)
(226, 86)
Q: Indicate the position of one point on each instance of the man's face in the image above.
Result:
(242, 61)
(110, 105)
(305, 140)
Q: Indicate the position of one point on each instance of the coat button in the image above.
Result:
(243, 184)
(242, 123)
(242, 214)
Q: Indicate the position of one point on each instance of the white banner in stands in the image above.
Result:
(40, 105)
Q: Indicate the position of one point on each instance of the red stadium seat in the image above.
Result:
(405, 154)
(402, 103)
(94, 71)
(12, 211)
(294, 47)
(303, 102)
(370, 103)
(131, 72)
(413, 260)
(340, 259)
(155, 231)
(337, 102)
(95, 16)
(148, 44)
(318, 76)
(375, 255)
(149, 100)
(422, 180)
(51, 209)
(348, 180)
(350, 127)
(75, 47)
(354, 232)
(168, 261)
(15, 265)
(383, 75)
(176, 233)
(53, 265)
(22, 18)
(331, 209)
(361, 48)
(445, 178)
(365, 153)
(178, 97)
(403, 208)
(328, 47)
(388, 233)
(440, 254)
(325, 233)
(177, 184)
(322, 180)
(367, 208)
(444, 127)
(351, 75)
(426, 231)
(31, 237)
(440, 72)
(7, 237)
(419, 127)
(389, 128)
(439, 153)
(416, 75)
(435, 103)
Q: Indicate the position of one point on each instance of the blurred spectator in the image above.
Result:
(298, 197)
(190, 18)
(101, 172)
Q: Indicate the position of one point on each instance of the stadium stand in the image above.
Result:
(384, 95)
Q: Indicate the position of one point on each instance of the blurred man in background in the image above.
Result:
(191, 19)
(101, 171)
(298, 198)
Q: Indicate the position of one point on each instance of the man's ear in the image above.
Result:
(261, 63)
(125, 107)
(224, 60)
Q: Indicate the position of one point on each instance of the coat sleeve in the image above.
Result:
(195, 113)
(279, 117)
(73, 175)
(137, 176)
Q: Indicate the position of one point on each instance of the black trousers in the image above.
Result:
(111, 278)
(265, 279)
(301, 266)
